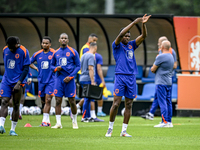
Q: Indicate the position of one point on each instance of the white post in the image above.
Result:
(109, 6)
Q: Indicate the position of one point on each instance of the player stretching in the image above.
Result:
(66, 63)
(126, 68)
(16, 63)
(45, 77)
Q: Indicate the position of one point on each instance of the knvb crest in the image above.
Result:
(194, 53)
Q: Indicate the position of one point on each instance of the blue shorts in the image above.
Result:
(45, 88)
(64, 89)
(125, 85)
(6, 89)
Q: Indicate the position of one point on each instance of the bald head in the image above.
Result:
(166, 45)
(93, 48)
(160, 40)
(64, 40)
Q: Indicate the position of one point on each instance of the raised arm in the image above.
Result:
(126, 29)
(141, 38)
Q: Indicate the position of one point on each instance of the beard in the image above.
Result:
(64, 44)
(45, 48)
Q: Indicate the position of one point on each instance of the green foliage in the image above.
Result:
(176, 7)
(86, 6)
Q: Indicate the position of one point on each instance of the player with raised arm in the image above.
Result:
(126, 68)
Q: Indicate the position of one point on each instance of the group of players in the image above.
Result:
(56, 77)
(58, 69)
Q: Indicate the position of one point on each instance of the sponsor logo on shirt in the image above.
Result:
(16, 56)
(129, 54)
(68, 54)
(44, 64)
(55, 91)
(11, 63)
(130, 47)
(40, 58)
(63, 61)
(49, 57)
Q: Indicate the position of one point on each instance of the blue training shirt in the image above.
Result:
(43, 60)
(68, 59)
(14, 64)
(165, 63)
(99, 60)
(125, 58)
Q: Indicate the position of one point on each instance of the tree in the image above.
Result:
(176, 7)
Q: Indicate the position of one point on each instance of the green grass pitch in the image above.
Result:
(91, 136)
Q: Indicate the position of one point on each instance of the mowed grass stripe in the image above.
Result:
(91, 136)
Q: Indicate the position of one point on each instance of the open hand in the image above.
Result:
(145, 18)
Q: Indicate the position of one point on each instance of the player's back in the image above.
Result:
(165, 64)
(86, 60)
(171, 51)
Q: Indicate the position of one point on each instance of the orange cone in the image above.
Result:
(28, 125)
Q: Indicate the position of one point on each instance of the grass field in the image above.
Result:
(91, 136)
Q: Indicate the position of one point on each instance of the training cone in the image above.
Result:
(28, 125)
